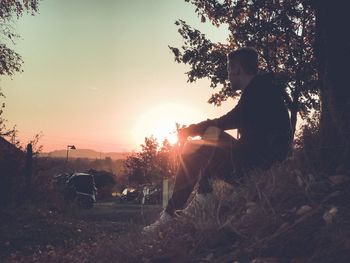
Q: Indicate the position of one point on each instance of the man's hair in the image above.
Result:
(247, 57)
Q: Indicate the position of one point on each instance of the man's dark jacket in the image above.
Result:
(262, 119)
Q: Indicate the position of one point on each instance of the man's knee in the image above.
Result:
(212, 134)
(192, 148)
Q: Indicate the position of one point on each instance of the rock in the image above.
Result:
(251, 207)
(304, 209)
(329, 215)
(250, 204)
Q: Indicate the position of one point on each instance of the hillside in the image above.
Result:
(85, 153)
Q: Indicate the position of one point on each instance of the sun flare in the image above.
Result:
(161, 120)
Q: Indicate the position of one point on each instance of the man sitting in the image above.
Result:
(263, 121)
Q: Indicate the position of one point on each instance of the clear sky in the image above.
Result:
(100, 75)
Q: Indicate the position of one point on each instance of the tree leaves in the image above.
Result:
(283, 33)
(10, 61)
(152, 163)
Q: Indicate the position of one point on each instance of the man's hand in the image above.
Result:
(192, 130)
(183, 134)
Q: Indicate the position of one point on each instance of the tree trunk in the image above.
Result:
(293, 118)
(332, 51)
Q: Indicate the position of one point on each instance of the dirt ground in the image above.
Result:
(28, 230)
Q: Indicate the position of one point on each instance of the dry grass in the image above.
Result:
(282, 214)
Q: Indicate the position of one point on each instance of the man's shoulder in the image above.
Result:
(265, 86)
(265, 78)
(269, 82)
(261, 83)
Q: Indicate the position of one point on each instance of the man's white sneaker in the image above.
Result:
(201, 211)
(163, 220)
(199, 204)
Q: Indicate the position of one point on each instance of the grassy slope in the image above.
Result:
(284, 215)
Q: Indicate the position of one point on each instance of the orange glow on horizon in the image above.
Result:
(161, 120)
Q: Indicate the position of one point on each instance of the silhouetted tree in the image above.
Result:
(103, 178)
(135, 169)
(150, 164)
(167, 159)
(281, 31)
(333, 56)
(140, 165)
(10, 60)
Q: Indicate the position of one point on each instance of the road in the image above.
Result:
(116, 212)
(27, 231)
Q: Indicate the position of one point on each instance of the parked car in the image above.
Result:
(130, 194)
(78, 189)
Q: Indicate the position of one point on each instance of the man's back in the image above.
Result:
(262, 118)
(265, 127)
(264, 114)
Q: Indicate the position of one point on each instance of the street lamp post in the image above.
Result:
(72, 147)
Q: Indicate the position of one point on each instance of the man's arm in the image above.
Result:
(231, 120)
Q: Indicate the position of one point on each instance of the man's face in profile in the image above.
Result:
(234, 70)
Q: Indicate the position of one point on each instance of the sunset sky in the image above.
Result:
(100, 75)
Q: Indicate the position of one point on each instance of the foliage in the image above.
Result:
(281, 31)
(35, 142)
(11, 61)
(152, 163)
(308, 145)
(4, 130)
(104, 182)
(103, 178)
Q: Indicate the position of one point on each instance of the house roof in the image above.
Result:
(7, 148)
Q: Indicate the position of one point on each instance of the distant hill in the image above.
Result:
(85, 153)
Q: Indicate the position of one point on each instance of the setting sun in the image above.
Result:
(161, 120)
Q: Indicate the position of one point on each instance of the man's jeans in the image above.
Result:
(211, 157)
